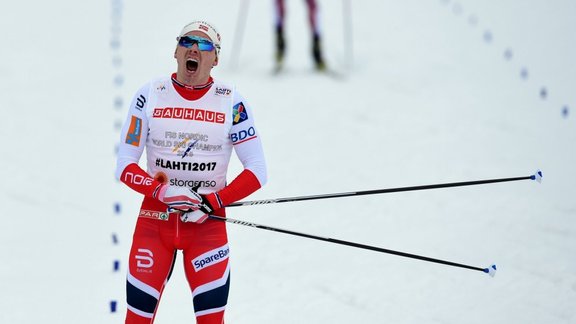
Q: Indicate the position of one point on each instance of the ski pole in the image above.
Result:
(239, 34)
(348, 34)
(537, 176)
(491, 270)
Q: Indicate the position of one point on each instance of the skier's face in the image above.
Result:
(195, 60)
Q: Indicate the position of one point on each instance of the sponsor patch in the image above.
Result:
(211, 258)
(239, 114)
(243, 135)
(137, 179)
(221, 91)
(140, 102)
(192, 183)
(134, 131)
(144, 260)
(189, 114)
(153, 214)
(160, 87)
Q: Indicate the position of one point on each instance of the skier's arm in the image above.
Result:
(133, 138)
(132, 142)
(248, 148)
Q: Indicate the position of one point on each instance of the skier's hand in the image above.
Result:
(199, 215)
(182, 199)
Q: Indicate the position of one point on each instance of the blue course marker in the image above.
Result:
(524, 73)
(113, 304)
(488, 36)
(543, 93)
(565, 111)
(508, 54)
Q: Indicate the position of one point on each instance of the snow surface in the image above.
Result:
(434, 92)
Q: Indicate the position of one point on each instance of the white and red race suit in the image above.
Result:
(188, 134)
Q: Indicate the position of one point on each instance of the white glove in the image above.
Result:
(182, 199)
(199, 215)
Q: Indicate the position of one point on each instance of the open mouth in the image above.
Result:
(191, 65)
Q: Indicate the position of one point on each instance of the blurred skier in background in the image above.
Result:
(188, 123)
(280, 14)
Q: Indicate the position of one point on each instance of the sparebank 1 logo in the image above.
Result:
(239, 114)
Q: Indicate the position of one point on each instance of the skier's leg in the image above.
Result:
(313, 20)
(150, 266)
(208, 271)
(279, 14)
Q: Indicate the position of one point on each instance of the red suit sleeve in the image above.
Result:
(242, 186)
(137, 179)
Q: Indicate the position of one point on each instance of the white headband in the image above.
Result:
(206, 28)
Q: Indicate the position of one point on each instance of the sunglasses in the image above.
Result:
(189, 41)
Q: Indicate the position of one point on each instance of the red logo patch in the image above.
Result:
(190, 114)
